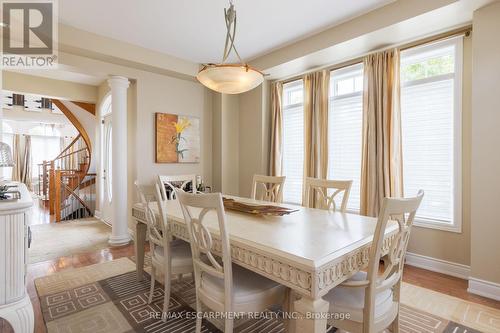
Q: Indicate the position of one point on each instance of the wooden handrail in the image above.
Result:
(72, 153)
(68, 146)
(71, 117)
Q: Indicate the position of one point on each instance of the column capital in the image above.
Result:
(118, 82)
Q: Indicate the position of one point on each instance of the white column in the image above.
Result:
(119, 235)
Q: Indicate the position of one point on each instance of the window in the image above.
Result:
(431, 126)
(345, 121)
(293, 141)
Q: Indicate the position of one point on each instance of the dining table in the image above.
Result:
(310, 251)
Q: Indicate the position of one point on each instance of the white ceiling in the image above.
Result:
(195, 29)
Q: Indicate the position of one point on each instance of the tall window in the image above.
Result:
(345, 120)
(431, 126)
(293, 141)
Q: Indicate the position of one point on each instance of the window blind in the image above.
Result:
(345, 129)
(293, 141)
(429, 116)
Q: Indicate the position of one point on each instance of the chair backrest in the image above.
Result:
(157, 227)
(317, 193)
(195, 209)
(168, 184)
(403, 211)
(268, 188)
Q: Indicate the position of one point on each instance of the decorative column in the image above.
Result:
(119, 235)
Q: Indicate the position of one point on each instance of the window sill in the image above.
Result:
(430, 224)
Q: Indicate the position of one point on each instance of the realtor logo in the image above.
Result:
(29, 34)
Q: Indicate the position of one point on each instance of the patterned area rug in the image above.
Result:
(107, 298)
(74, 237)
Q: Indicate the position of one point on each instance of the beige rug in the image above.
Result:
(106, 297)
(54, 240)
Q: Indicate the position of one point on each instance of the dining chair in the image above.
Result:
(317, 193)
(268, 188)
(168, 184)
(372, 298)
(167, 256)
(220, 285)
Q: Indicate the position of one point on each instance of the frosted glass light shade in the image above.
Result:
(230, 78)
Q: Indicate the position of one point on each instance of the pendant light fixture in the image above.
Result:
(230, 78)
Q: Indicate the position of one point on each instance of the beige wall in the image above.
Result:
(445, 245)
(485, 171)
(49, 87)
(253, 136)
(226, 143)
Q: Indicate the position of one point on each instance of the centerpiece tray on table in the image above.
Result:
(256, 209)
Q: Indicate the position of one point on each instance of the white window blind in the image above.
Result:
(293, 141)
(431, 129)
(345, 129)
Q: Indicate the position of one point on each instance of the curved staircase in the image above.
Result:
(65, 181)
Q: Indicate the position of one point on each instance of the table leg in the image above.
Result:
(288, 323)
(140, 241)
(313, 315)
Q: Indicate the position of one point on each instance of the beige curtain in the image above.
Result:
(17, 156)
(315, 127)
(276, 151)
(381, 166)
(26, 172)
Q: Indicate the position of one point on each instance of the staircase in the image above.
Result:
(65, 182)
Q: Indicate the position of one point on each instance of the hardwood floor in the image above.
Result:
(41, 213)
(435, 281)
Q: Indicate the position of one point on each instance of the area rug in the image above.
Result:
(54, 240)
(106, 297)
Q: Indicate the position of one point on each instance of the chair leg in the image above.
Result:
(166, 297)
(228, 326)
(152, 288)
(395, 325)
(198, 315)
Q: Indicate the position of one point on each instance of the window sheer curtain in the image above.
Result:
(22, 171)
(316, 88)
(276, 151)
(18, 162)
(381, 166)
(26, 172)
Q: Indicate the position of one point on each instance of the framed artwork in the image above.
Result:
(177, 138)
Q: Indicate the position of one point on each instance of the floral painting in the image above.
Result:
(177, 138)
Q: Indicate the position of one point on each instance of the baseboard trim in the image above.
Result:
(438, 265)
(484, 288)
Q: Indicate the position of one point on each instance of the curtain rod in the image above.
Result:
(404, 46)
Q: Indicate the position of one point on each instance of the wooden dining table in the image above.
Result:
(309, 251)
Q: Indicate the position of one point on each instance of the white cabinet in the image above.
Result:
(15, 304)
